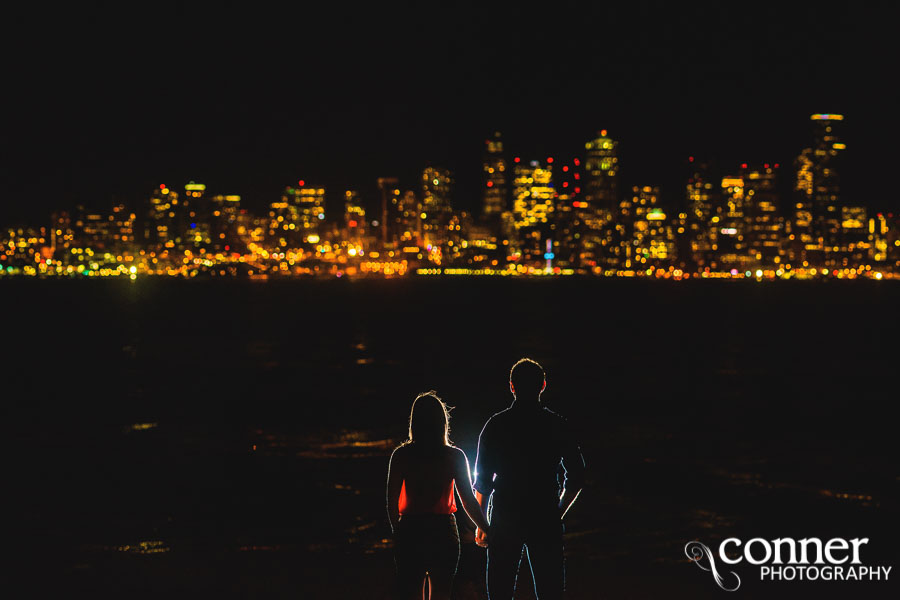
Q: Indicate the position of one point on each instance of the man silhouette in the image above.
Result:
(520, 451)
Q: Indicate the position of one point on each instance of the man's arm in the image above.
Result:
(484, 479)
(464, 487)
(574, 467)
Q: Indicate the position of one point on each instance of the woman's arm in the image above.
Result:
(394, 485)
(464, 487)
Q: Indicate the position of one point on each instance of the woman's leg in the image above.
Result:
(442, 569)
(411, 568)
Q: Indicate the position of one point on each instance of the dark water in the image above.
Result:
(231, 439)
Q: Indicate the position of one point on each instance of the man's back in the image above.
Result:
(520, 451)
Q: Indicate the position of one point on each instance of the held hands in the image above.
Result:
(481, 537)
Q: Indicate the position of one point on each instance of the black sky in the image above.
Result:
(105, 101)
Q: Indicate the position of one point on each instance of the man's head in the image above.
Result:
(527, 379)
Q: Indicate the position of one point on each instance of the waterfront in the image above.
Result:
(187, 437)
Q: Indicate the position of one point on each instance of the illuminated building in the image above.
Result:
(652, 239)
(878, 238)
(566, 223)
(533, 207)
(764, 228)
(856, 241)
(495, 186)
(601, 166)
(390, 197)
(409, 223)
(297, 219)
(226, 213)
(355, 219)
(702, 200)
(803, 242)
(600, 239)
(195, 223)
(436, 212)
(160, 226)
(730, 222)
(61, 233)
(826, 150)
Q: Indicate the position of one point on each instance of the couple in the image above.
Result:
(520, 452)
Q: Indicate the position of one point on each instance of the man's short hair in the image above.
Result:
(527, 377)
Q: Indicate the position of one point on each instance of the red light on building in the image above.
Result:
(352, 223)
(162, 186)
(578, 190)
(577, 175)
(490, 184)
(301, 183)
(549, 160)
(577, 162)
(690, 159)
(743, 165)
(777, 165)
(516, 159)
(766, 166)
(603, 132)
(565, 184)
(565, 168)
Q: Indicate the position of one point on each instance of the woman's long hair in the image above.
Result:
(429, 421)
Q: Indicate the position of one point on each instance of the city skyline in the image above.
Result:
(550, 216)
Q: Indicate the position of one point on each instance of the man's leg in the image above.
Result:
(504, 553)
(545, 555)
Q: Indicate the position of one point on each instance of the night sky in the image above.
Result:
(105, 101)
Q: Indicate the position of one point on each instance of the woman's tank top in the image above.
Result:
(440, 501)
(445, 505)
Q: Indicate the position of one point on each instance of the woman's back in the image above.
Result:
(427, 472)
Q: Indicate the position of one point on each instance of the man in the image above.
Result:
(520, 450)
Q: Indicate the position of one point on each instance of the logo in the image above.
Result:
(786, 559)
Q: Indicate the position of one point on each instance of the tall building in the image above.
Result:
(702, 200)
(355, 219)
(824, 156)
(601, 167)
(160, 227)
(731, 224)
(495, 172)
(533, 208)
(437, 185)
(226, 212)
(194, 219)
(803, 242)
(298, 218)
(652, 239)
(390, 197)
(765, 227)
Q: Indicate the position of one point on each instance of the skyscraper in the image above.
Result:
(533, 208)
(437, 184)
(495, 187)
(826, 150)
(702, 199)
(601, 166)
(764, 225)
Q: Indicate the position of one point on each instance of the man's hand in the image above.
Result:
(481, 538)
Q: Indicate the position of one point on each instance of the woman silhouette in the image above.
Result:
(421, 503)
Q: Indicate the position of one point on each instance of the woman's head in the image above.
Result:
(429, 420)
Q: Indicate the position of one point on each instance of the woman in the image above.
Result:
(421, 503)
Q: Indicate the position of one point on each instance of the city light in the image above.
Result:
(537, 219)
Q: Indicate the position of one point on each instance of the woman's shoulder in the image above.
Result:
(456, 453)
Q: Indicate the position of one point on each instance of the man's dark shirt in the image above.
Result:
(520, 451)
